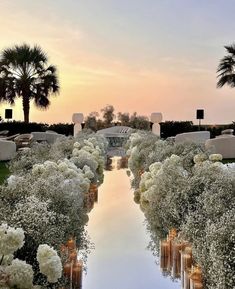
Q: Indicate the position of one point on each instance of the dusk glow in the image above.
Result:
(137, 55)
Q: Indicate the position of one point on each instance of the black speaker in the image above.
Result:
(200, 113)
(8, 113)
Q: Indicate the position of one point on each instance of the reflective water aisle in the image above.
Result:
(120, 259)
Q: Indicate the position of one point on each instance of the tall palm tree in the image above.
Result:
(226, 68)
(24, 73)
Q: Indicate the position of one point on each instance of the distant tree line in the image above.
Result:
(94, 122)
(109, 118)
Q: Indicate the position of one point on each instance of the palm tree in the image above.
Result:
(226, 68)
(24, 73)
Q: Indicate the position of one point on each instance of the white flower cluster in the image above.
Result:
(215, 157)
(11, 239)
(15, 273)
(49, 263)
(90, 155)
(20, 274)
(45, 195)
(194, 192)
(145, 148)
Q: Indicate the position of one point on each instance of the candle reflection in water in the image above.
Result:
(72, 267)
(91, 197)
(176, 259)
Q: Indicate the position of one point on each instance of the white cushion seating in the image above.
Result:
(199, 137)
(51, 137)
(47, 136)
(224, 145)
(39, 136)
(228, 131)
(7, 150)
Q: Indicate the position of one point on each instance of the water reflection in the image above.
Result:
(108, 164)
(122, 163)
(120, 259)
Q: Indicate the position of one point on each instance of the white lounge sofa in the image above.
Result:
(223, 144)
(199, 137)
(7, 150)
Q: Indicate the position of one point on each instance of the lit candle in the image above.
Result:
(172, 234)
(71, 244)
(73, 256)
(176, 260)
(187, 261)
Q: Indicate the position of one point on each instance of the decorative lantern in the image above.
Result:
(156, 118)
(77, 119)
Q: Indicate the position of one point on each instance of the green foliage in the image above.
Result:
(15, 127)
(172, 128)
(108, 114)
(4, 171)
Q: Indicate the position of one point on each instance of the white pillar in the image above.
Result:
(156, 118)
(77, 119)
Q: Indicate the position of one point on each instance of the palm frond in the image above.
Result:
(226, 68)
(230, 49)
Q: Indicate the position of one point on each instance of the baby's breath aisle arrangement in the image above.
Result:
(187, 189)
(44, 200)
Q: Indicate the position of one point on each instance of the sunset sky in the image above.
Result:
(138, 55)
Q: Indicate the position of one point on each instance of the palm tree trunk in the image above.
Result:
(26, 108)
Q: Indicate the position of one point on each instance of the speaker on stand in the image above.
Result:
(200, 116)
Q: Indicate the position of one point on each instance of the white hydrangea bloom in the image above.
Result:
(199, 158)
(63, 166)
(88, 172)
(77, 145)
(10, 239)
(49, 263)
(13, 180)
(38, 169)
(7, 260)
(20, 274)
(75, 152)
(155, 167)
(215, 157)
